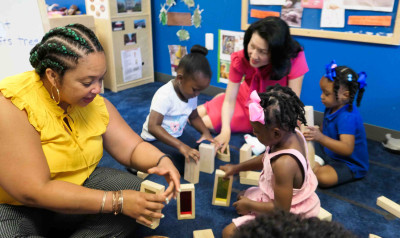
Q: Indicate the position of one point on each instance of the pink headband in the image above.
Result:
(255, 110)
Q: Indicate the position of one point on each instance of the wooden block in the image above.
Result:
(203, 234)
(324, 215)
(374, 236)
(192, 171)
(389, 205)
(222, 189)
(226, 156)
(185, 204)
(142, 175)
(207, 158)
(251, 178)
(154, 188)
(245, 154)
(309, 115)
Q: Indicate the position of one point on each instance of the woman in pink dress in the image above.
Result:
(270, 56)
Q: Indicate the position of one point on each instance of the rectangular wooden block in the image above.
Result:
(245, 154)
(222, 189)
(142, 175)
(373, 236)
(203, 234)
(154, 188)
(251, 178)
(192, 171)
(309, 114)
(324, 215)
(226, 156)
(207, 158)
(185, 204)
(389, 205)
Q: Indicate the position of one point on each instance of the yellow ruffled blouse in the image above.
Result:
(71, 155)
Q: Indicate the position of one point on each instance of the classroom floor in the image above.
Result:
(353, 205)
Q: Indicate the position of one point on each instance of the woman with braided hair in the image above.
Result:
(270, 56)
(287, 181)
(54, 126)
(341, 142)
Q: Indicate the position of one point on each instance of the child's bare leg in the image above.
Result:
(228, 231)
(327, 176)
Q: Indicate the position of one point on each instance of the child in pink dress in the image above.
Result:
(287, 180)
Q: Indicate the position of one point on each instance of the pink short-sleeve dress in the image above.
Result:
(304, 201)
(255, 79)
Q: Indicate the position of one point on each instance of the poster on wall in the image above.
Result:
(131, 64)
(118, 25)
(229, 42)
(129, 6)
(267, 2)
(369, 5)
(130, 39)
(97, 8)
(332, 14)
(292, 13)
(139, 24)
(176, 53)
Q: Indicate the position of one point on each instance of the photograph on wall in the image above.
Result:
(224, 69)
(118, 25)
(176, 53)
(312, 4)
(139, 24)
(130, 39)
(129, 6)
(229, 42)
(131, 64)
(292, 13)
(369, 5)
(267, 2)
(333, 14)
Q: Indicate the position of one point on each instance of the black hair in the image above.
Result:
(342, 78)
(282, 224)
(281, 46)
(282, 107)
(196, 62)
(61, 48)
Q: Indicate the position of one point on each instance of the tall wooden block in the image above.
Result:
(309, 115)
(154, 188)
(389, 205)
(203, 234)
(222, 189)
(142, 175)
(245, 154)
(192, 171)
(207, 158)
(185, 204)
(226, 156)
(251, 178)
(373, 236)
(324, 215)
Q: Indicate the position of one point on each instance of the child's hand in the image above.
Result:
(242, 205)
(240, 194)
(313, 134)
(189, 152)
(230, 169)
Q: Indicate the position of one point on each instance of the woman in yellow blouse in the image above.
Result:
(54, 126)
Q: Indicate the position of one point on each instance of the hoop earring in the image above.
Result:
(52, 95)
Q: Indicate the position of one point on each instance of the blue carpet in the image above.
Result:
(353, 205)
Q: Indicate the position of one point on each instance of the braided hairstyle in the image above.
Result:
(282, 107)
(342, 76)
(62, 47)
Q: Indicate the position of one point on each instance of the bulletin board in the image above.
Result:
(310, 26)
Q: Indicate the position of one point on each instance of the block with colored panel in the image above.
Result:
(185, 204)
(152, 188)
(222, 189)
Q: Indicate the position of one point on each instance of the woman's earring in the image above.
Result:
(52, 95)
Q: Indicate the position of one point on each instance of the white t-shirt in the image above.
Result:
(175, 111)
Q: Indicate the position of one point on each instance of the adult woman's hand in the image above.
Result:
(141, 205)
(223, 139)
(167, 169)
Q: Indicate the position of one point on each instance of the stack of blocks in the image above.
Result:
(248, 177)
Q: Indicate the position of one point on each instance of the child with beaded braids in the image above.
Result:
(342, 142)
(287, 180)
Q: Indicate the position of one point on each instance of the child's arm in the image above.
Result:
(155, 128)
(285, 169)
(253, 164)
(198, 124)
(343, 147)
